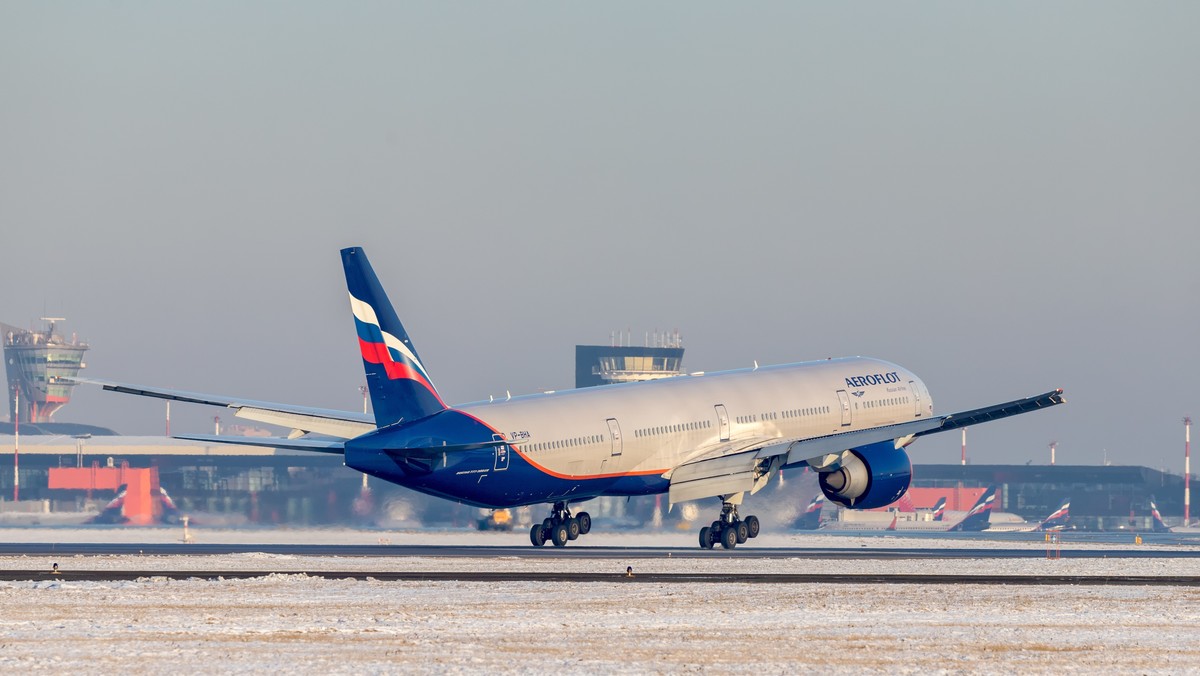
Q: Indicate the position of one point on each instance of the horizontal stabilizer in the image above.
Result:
(334, 423)
(314, 445)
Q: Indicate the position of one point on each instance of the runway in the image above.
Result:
(596, 577)
(574, 551)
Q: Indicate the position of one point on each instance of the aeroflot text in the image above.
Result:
(873, 379)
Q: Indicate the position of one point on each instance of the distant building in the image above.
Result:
(1110, 497)
(609, 364)
(215, 485)
(39, 365)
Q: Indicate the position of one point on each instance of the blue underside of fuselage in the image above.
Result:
(483, 477)
(471, 477)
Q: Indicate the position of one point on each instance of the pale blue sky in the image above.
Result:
(1002, 197)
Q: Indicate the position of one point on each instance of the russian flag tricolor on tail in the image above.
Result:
(939, 510)
(816, 504)
(400, 387)
(1159, 525)
(381, 347)
(985, 504)
(1060, 512)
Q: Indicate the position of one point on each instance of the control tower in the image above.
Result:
(661, 357)
(39, 364)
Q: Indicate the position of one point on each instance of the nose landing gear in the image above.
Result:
(560, 527)
(729, 529)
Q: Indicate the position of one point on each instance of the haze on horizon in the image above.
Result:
(1002, 198)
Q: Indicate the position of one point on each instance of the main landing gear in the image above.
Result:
(729, 530)
(560, 527)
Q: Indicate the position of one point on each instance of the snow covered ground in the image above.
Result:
(297, 623)
(301, 624)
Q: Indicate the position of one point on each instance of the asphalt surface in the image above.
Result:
(658, 578)
(584, 551)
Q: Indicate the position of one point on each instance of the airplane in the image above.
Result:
(811, 518)
(975, 519)
(1057, 520)
(978, 518)
(113, 512)
(1159, 525)
(703, 435)
(939, 509)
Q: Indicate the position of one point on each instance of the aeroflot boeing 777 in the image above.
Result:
(715, 435)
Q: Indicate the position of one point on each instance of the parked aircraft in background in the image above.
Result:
(934, 520)
(1058, 520)
(811, 518)
(939, 510)
(715, 435)
(1159, 526)
(978, 518)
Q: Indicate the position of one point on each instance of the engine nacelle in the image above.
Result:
(869, 476)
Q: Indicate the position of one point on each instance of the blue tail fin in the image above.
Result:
(1057, 519)
(939, 510)
(811, 518)
(980, 515)
(399, 385)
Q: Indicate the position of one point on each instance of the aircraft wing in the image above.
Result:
(998, 411)
(340, 424)
(747, 465)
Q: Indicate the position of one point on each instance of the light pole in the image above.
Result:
(17, 443)
(362, 389)
(79, 448)
(1187, 470)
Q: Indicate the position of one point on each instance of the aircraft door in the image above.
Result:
(502, 454)
(722, 421)
(845, 401)
(614, 432)
(916, 397)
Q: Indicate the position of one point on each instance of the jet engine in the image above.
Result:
(869, 476)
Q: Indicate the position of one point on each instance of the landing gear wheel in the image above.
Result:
(560, 535)
(729, 538)
(752, 526)
(573, 529)
(706, 538)
(548, 524)
(743, 533)
(717, 527)
(585, 523)
(537, 535)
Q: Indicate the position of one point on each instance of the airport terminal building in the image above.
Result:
(1109, 497)
(252, 485)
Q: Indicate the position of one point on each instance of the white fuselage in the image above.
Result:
(651, 427)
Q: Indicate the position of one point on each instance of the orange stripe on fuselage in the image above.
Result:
(576, 477)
